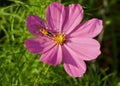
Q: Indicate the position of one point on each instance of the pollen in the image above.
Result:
(59, 38)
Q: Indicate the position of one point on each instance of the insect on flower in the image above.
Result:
(46, 32)
(62, 38)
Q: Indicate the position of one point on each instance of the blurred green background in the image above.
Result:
(18, 67)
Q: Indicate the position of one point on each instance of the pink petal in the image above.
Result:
(74, 15)
(34, 23)
(38, 45)
(53, 56)
(55, 15)
(90, 28)
(73, 65)
(75, 71)
(86, 48)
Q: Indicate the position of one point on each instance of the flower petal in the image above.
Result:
(34, 45)
(74, 15)
(75, 71)
(53, 56)
(34, 23)
(90, 28)
(73, 65)
(55, 15)
(38, 45)
(86, 48)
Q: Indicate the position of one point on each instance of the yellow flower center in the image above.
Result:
(59, 38)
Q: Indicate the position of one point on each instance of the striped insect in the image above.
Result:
(46, 32)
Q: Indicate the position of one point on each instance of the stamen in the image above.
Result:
(60, 38)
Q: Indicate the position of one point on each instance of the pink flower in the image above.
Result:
(63, 38)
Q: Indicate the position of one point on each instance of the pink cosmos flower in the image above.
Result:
(63, 38)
